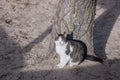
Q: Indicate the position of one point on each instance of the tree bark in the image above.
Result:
(77, 17)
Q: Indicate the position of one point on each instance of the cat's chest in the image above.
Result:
(61, 49)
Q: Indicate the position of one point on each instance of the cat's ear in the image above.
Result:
(65, 34)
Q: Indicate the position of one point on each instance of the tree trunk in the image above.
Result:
(77, 17)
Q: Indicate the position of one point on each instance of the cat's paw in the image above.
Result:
(73, 63)
(60, 66)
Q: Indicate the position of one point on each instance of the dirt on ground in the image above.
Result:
(25, 36)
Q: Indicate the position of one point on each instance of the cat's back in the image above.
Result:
(78, 45)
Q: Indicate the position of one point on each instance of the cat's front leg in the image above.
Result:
(63, 61)
(60, 65)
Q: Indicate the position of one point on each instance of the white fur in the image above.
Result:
(61, 51)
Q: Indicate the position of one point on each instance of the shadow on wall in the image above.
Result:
(11, 54)
(103, 27)
(10, 58)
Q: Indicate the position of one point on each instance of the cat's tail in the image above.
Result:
(93, 58)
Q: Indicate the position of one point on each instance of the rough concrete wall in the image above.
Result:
(24, 39)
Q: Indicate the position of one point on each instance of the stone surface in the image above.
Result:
(25, 36)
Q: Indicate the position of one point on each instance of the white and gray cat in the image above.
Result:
(72, 51)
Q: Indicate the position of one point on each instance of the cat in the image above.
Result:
(72, 51)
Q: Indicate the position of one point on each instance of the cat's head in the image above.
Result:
(61, 39)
